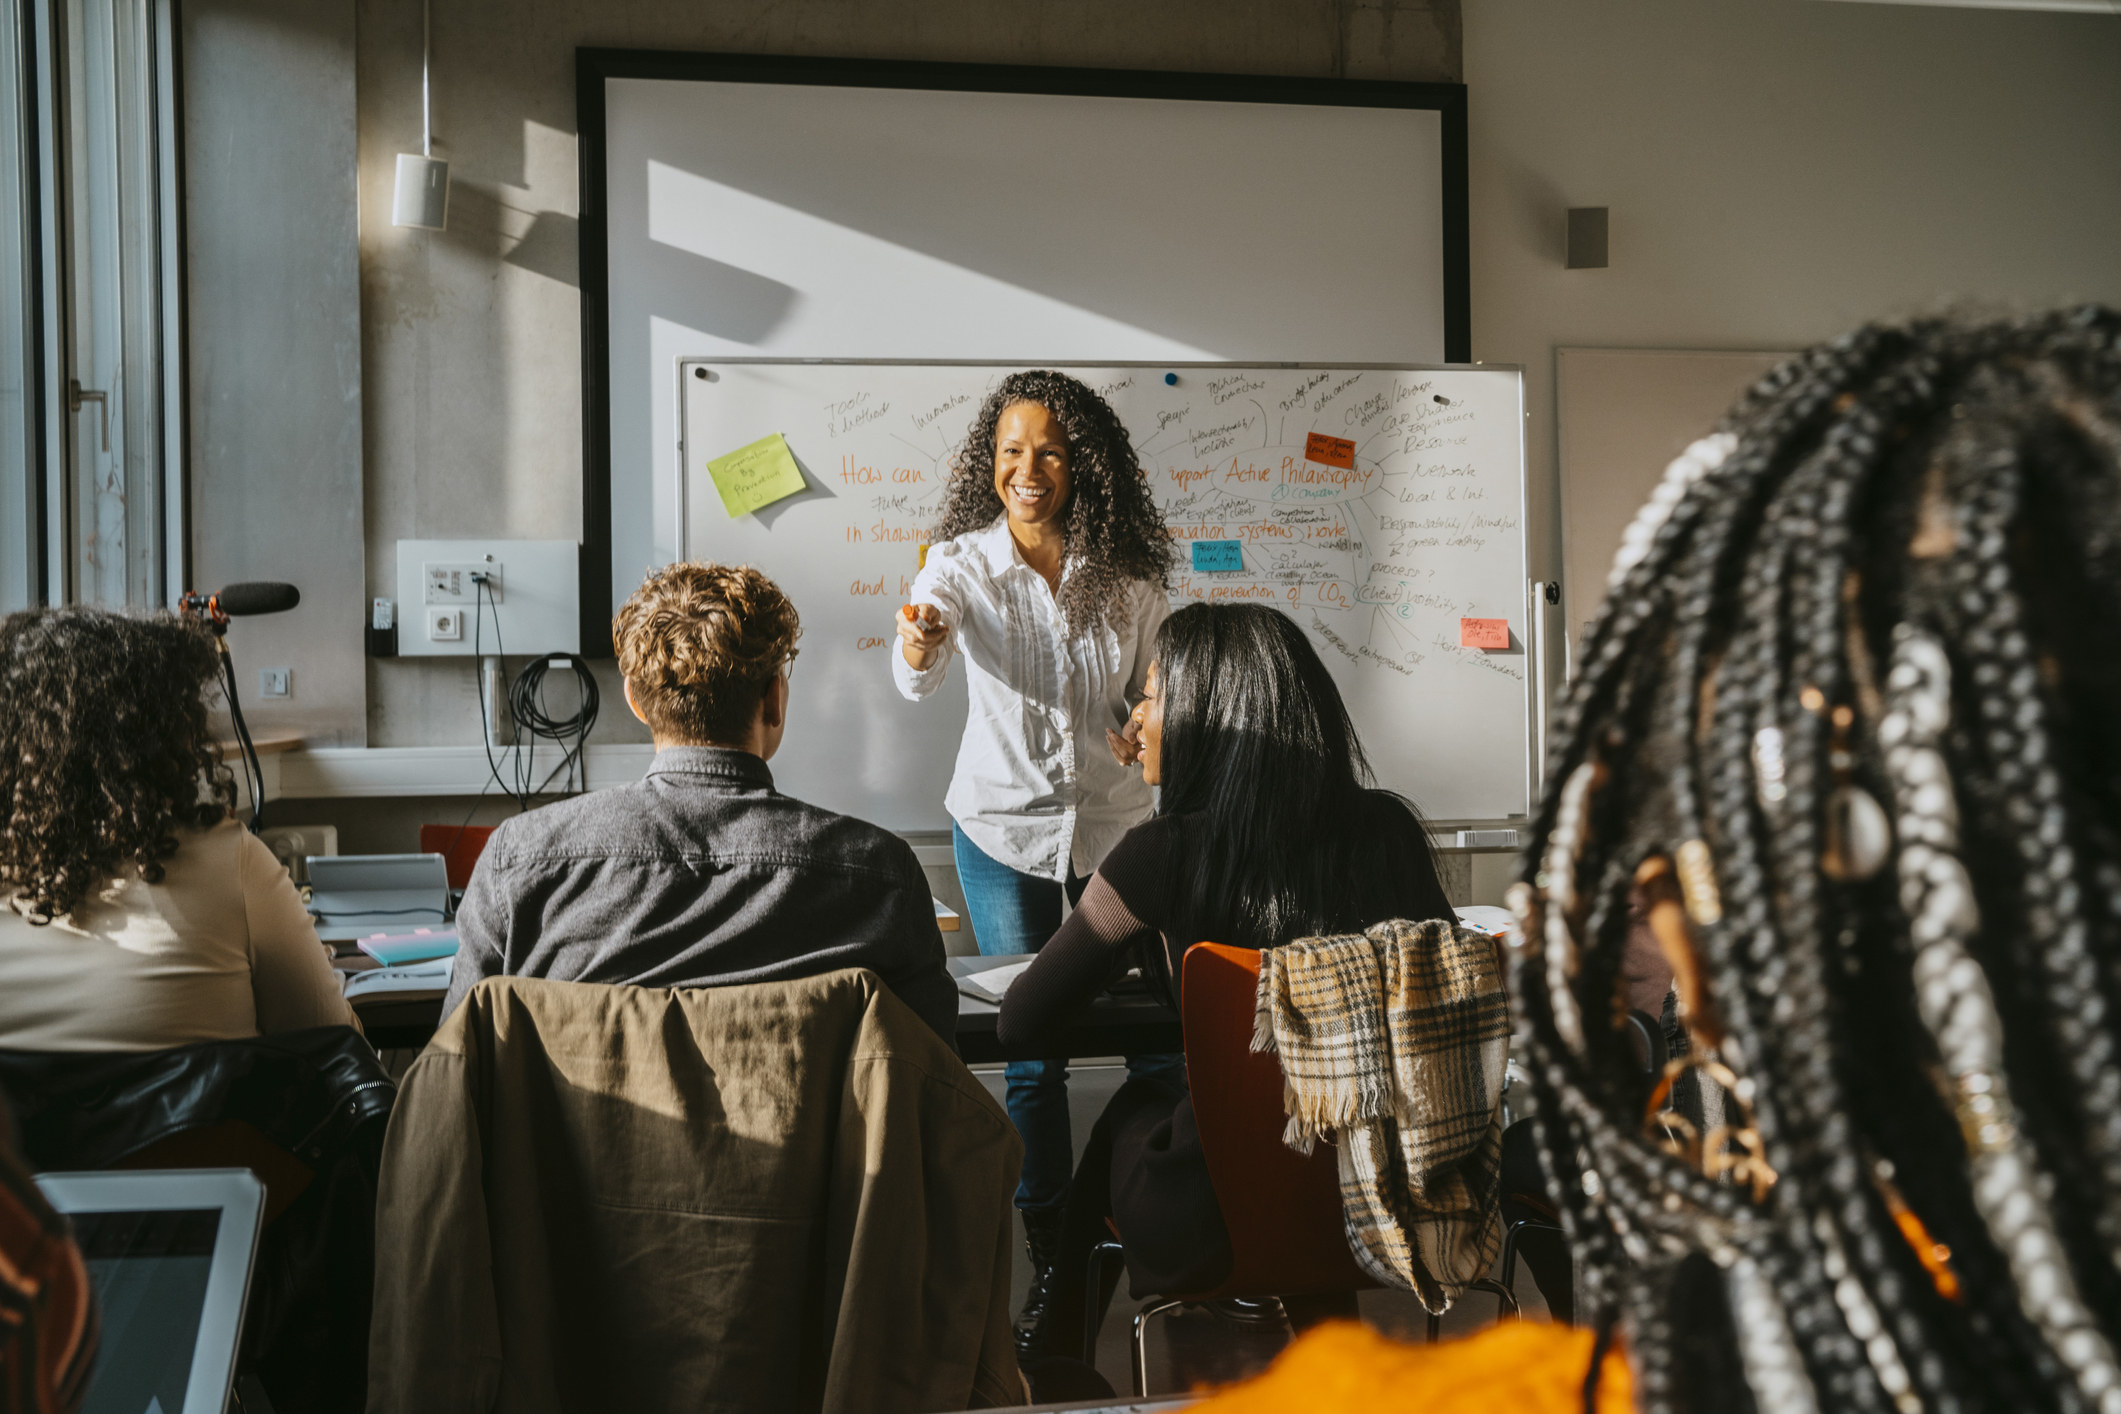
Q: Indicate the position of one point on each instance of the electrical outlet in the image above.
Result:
(276, 682)
(458, 583)
(445, 625)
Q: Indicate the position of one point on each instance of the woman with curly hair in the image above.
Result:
(1050, 575)
(140, 914)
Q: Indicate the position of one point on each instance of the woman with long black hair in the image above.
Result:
(1267, 829)
(1049, 576)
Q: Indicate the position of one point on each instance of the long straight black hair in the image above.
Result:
(1294, 840)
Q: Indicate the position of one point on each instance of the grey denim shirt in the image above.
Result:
(701, 874)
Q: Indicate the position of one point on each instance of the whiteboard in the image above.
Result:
(746, 217)
(1377, 564)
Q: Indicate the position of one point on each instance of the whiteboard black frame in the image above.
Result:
(593, 67)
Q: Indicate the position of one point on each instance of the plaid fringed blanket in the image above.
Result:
(1395, 1040)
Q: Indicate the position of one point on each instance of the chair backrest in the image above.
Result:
(460, 847)
(1281, 1208)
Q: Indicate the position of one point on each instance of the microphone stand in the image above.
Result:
(208, 608)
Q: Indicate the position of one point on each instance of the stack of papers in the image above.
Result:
(991, 984)
(400, 983)
(1486, 918)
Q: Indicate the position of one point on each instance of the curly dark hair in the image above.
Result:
(103, 746)
(1114, 532)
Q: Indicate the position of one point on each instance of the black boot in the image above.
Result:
(1042, 1233)
(1049, 1335)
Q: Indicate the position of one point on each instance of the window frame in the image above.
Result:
(146, 252)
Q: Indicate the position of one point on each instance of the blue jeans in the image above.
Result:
(1016, 913)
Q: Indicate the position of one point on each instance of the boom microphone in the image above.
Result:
(257, 596)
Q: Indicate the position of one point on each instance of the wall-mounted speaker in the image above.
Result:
(1586, 235)
(422, 194)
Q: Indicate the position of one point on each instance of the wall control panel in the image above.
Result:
(488, 597)
(461, 583)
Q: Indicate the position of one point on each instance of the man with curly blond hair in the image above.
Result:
(702, 873)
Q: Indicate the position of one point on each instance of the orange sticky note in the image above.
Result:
(1333, 451)
(1483, 633)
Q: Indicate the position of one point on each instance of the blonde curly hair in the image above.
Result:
(699, 643)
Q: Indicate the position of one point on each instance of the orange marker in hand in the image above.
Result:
(921, 633)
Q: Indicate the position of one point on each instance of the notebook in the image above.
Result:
(419, 945)
(990, 984)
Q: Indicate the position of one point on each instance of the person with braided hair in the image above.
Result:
(1847, 735)
(1848, 723)
(1049, 575)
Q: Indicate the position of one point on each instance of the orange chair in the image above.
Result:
(460, 847)
(1282, 1210)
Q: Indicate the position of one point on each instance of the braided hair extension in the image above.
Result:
(1924, 1028)
(105, 750)
(1114, 534)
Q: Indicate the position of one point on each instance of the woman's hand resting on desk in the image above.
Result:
(921, 633)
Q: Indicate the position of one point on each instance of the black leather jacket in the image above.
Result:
(322, 1096)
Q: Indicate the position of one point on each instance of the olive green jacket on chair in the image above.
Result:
(784, 1196)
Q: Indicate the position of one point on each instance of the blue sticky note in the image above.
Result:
(1209, 556)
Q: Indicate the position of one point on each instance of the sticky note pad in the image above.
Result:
(1483, 633)
(1332, 451)
(1210, 556)
(755, 476)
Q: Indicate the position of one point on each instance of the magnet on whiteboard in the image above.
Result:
(1171, 380)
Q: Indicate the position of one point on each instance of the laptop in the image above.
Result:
(358, 895)
(169, 1255)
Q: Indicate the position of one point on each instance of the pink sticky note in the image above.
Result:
(1483, 633)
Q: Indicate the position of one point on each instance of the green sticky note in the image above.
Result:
(757, 475)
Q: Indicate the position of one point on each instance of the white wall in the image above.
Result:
(1779, 171)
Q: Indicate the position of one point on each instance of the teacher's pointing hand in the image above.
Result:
(921, 632)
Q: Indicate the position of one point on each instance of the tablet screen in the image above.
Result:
(149, 1271)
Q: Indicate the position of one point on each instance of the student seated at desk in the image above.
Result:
(702, 873)
(140, 914)
(1266, 830)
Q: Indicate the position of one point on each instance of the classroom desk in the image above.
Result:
(1114, 1025)
(1131, 1023)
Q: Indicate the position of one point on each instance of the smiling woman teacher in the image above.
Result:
(1050, 575)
